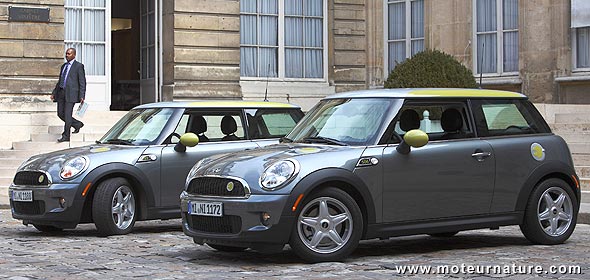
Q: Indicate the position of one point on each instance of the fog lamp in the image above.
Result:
(62, 202)
(265, 217)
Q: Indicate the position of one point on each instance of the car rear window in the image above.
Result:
(272, 123)
(507, 117)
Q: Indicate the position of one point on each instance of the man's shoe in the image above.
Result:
(63, 139)
(77, 129)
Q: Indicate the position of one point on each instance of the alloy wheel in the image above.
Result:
(123, 207)
(325, 225)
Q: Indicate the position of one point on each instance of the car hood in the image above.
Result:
(249, 165)
(97, 154)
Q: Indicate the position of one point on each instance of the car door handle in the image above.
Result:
(481, 156)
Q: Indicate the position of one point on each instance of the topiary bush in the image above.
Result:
(431, 68)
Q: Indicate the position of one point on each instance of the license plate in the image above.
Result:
(214, 209)
(22, 195)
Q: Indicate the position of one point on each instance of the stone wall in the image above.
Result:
(30, 54)
(448, 28)
(204, 59)
(543, 39)
(348, 44)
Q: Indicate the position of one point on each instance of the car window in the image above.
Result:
(507, 117)
(139, 127)
(440, 120)
(272, 123)
(211, 126)
(355, 122)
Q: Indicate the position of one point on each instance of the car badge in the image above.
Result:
(367, 161)
(215, 170)
(41, 178)
(538, 152)
(230, 186)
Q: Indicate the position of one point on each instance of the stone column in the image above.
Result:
(544, 37)
(206, 49)
(350, 44)
(375, 44)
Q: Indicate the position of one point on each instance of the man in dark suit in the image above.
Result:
(69, 90)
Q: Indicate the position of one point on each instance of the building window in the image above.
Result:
(582, 47)
(148, 39)
(580, 24)
(405, 30)
(297, 52)
(496, 36)
(85, 31)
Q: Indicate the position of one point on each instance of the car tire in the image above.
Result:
(224, 248)
(444, 234)
(550, 214)
(113, 207)
(328, 227)
(46, 228)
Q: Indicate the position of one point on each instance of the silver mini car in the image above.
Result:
(138, 169)
(383, 163)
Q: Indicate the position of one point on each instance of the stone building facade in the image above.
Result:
(141, 51)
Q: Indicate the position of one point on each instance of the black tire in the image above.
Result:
(46, 228)
(223, 248)
(109, 223)
(444, 234)
(534, 222)
(348, 227)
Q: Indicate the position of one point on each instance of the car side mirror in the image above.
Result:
(414, 138)
(186, 140)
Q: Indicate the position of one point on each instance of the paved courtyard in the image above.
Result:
(159, 250)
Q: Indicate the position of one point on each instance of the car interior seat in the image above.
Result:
(198, 127)
(409, 120)
(451, 122)
(229, 127)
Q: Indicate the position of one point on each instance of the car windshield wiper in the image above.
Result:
(322, 139)
(285, 140)
(119, 141)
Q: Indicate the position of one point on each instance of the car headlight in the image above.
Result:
(73, 167)
(278, 173)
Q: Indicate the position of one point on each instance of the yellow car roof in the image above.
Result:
(430, 93)
(218, 104)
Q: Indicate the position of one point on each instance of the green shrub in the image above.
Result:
(428, 69)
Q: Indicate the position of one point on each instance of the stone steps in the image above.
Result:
(572, 118)
(10, 162)
(80, 137)
(575, 128)
(575, 137)
(58, 129)
(47, 146)
(579, 148)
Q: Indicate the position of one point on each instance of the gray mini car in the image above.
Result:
(138, 169)
(382, 163)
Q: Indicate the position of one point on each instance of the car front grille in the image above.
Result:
(37, 207)
(216, 186)
(31, 178)
(226, 224)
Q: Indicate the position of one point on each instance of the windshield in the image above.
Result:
(353, 122)
(139, 127)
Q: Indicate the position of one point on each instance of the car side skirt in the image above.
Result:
(443, 225)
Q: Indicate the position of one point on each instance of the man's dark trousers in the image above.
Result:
(64, 112)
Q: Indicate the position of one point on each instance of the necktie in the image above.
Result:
(63, 76)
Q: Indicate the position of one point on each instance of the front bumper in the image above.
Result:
(242, 224)
(45, 209)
